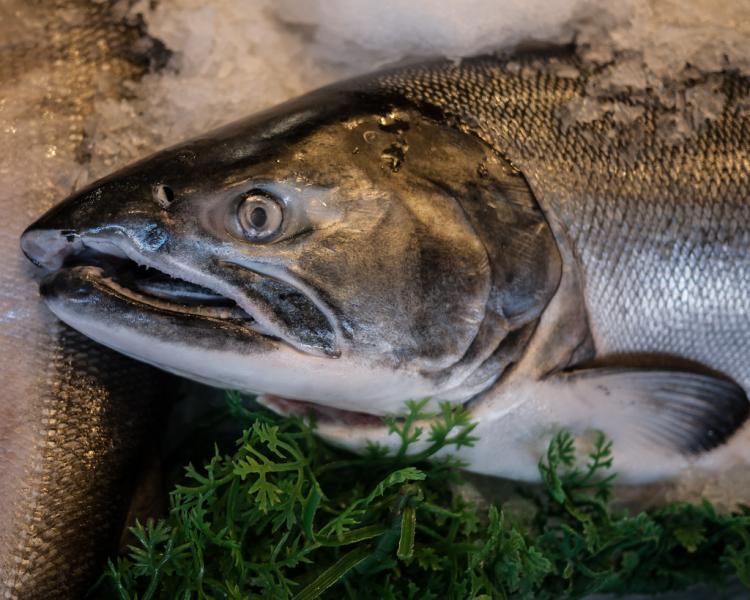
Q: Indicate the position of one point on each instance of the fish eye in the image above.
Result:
(260, 216)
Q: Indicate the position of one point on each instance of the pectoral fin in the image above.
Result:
(689, 413)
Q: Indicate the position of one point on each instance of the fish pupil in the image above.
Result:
(258, 216)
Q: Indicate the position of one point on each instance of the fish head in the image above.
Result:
(346, 249)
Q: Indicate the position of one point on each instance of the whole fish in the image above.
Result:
(445, 230)
(74, 416)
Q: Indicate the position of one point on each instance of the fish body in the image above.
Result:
(439, 230)
(74, 416)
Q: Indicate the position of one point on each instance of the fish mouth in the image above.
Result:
(105, 270)
(147, 287)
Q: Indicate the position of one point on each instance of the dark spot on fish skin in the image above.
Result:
(393, 125)
(393, 156)
(187, 157)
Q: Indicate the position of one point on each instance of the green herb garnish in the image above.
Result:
(287, 516)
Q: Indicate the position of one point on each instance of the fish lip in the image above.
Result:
(92, 277)
(92, 280)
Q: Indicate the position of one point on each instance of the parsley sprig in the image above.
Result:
(284, 515)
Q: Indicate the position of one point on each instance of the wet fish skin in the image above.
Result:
(469, 243)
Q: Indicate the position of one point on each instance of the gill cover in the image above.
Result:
(523, 263)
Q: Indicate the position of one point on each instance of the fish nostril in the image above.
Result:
(163, 195)
(152, 237)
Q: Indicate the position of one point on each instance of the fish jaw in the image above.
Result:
(115, 262)
(244, 357)
(117, 311)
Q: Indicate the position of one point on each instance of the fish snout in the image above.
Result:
(56, 236)
(49, 248)
(95, 217)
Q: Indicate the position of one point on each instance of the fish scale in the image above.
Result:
(83, 439)
(661, 229)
